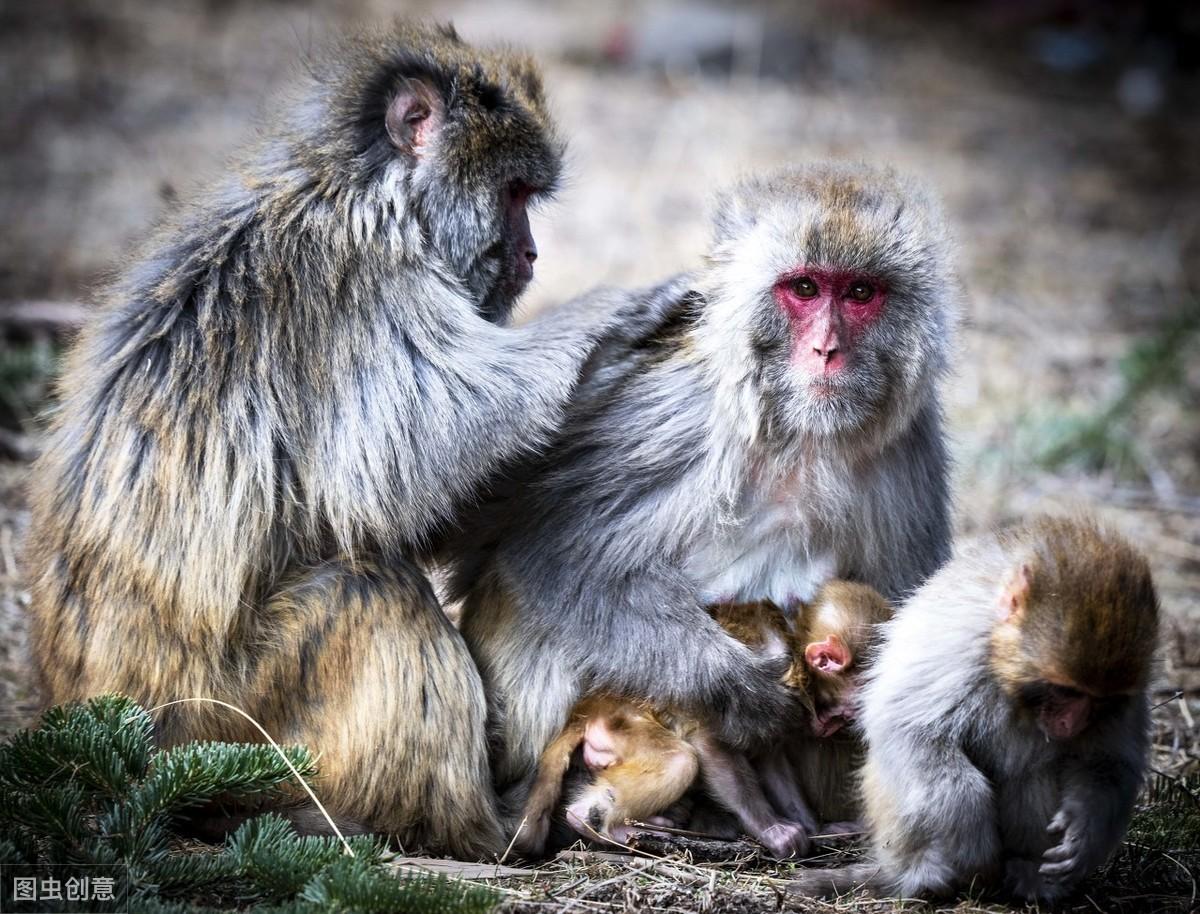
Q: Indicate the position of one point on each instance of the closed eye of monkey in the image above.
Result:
(278, 404)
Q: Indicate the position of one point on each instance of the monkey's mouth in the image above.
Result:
(824, 729)
(831, 721)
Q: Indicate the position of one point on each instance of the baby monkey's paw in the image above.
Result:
(785, 840)
(532, 833)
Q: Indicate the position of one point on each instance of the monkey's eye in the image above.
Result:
(804, 287)
(862, 291)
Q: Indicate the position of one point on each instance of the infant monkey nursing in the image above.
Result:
(641, 759)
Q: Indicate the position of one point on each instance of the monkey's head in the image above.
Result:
(413, 127)
(636, 777)
(839, 633)
(832, 298)
(1077, 623)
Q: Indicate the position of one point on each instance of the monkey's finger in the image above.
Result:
(1065, 847)
(1060, 869)
(1057, 824)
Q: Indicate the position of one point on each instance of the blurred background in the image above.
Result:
(1062, 135)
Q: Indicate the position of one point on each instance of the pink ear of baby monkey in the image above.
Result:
(828, 656)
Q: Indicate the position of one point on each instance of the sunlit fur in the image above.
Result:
(692, 470)
(960, 783)
(273, 406)
(779, 795)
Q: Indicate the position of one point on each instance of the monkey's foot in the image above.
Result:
(785, 840)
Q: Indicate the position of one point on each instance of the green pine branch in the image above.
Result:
(87, 786)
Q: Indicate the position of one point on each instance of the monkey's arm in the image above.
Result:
(652, 638)
(547, 789)
(487, 400)
(1098, 796)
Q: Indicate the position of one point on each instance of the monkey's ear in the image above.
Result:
(828, 656)
(414, 115)
(1014, 598)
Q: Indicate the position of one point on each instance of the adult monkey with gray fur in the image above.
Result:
(280, 400)
(783, 430)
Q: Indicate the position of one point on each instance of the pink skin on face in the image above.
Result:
(1065, 718)
(828, 311)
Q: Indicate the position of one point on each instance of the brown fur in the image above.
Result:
(1081, 642)
(661, 752)
(276, 406)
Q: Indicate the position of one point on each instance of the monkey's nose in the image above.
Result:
(826, 354)
(531, 254)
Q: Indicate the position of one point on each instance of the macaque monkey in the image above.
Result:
(282, 398)
(812, 780)
(642, 759)
(782, 427)
(1007, 718)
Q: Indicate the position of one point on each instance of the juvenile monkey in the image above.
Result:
(811, 780)
(781, 429)
(643, 759)
(1007, 718)
(281, 399)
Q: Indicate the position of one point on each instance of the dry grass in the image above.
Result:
(675, 879)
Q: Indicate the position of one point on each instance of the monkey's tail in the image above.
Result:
(835, 881)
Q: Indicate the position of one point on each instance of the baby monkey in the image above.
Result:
(642, 759)
(1007, 718)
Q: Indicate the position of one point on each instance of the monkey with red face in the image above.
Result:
(782, 427)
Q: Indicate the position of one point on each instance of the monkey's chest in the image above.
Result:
(774, 550)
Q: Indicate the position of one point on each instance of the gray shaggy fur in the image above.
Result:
(695, 467)
(277, 403)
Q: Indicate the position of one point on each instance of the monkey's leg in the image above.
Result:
(782, 783)
(733, 782)
(933, 817)
(547, 790)
(366, 670)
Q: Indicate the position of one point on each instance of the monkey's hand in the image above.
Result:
(533, 830)
(1066, 862)
(749, 712)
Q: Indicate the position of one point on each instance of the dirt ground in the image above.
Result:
(1072, 190)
